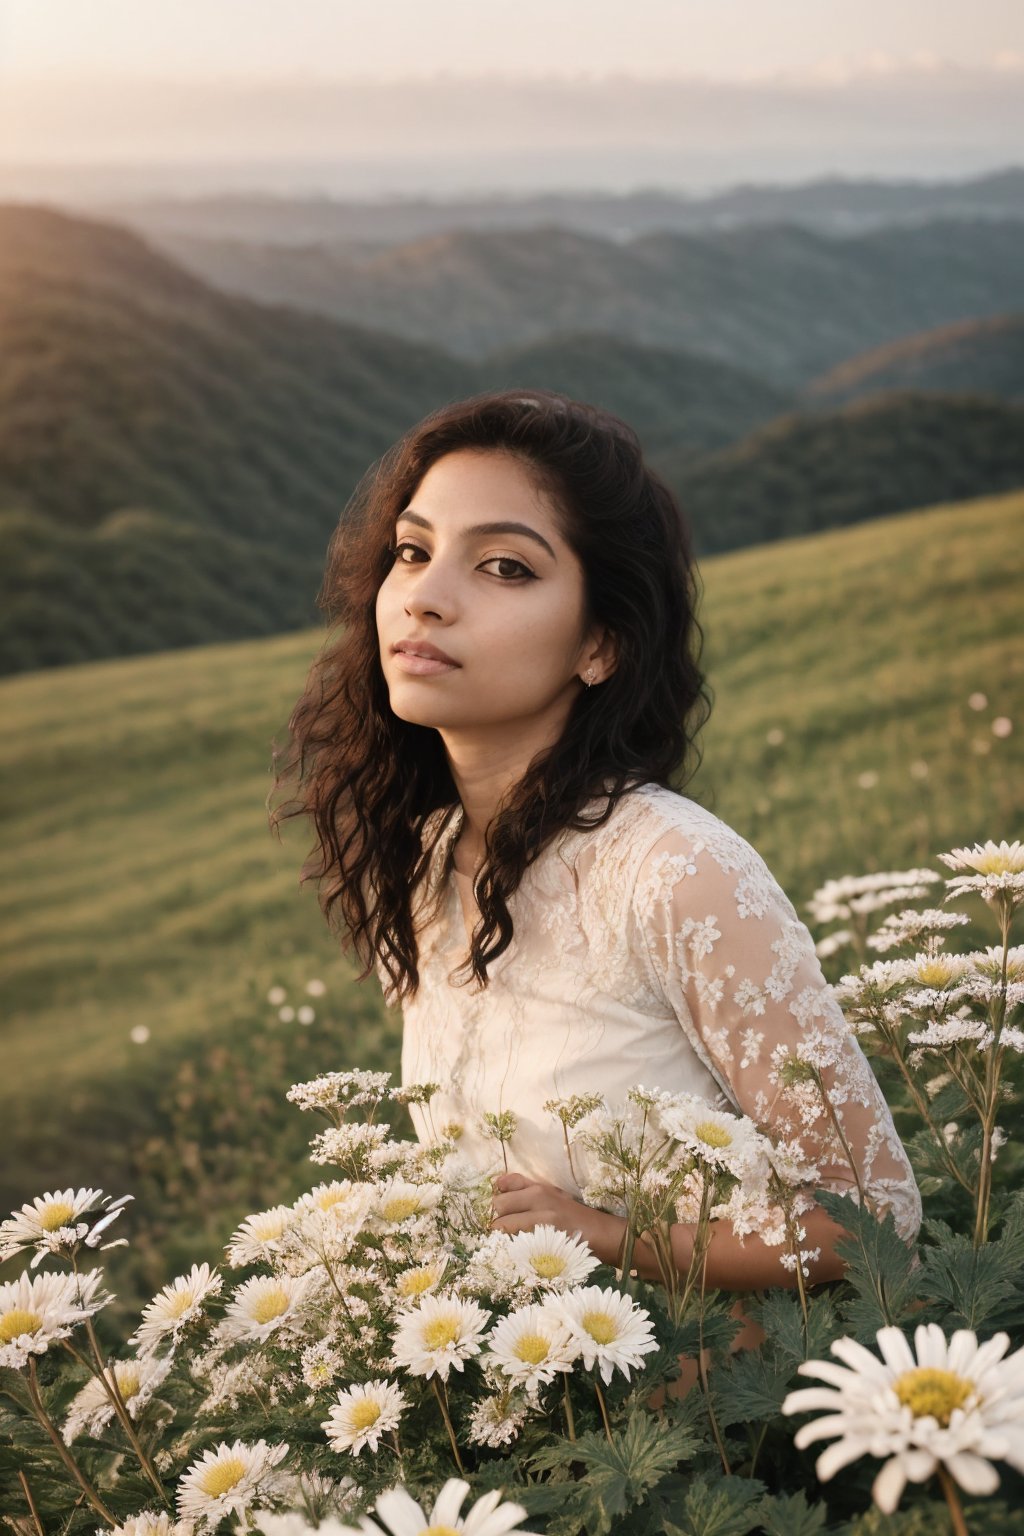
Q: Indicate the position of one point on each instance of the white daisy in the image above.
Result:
(959, 1404)
(399, 1202)
(34, 1312)
(611, 1330)
(53, 1222)
(402, 1516)
(439, 1333)
(361, 1414)
(174, 1308)
(225, 1481)
(718, 1138)
(264, 1305)
(998, 871)
(137, 1380)
(550, 1258)
(259, 1236)
(532, 1346)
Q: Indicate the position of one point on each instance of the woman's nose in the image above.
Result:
(431, 595)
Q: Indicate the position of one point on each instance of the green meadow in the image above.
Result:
(144, 892)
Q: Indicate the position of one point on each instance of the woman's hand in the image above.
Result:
(520, 1204)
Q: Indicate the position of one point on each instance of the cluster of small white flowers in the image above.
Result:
(907, 927)
(340, 1090)
(840, 899)
(496, 1421)
(346, 1146)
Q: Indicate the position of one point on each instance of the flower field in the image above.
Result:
(362, 1315)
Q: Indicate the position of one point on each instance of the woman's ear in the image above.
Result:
(602, 653)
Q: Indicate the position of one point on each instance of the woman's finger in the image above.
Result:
(507, 1181)
(517, 1200)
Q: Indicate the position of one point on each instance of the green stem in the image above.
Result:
(604, 1410)
(113, 1391)
(62, 1450)
(30, 1501)
(702, 1374)
(569, 1417)
(440, 1394)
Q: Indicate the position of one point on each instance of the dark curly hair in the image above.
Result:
(368, 780)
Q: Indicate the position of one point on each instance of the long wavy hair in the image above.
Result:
(368, 780)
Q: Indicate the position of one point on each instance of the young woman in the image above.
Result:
(491, 747)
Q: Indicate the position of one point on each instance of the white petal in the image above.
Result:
(400, 1512)
(973, 1474)
(838, 1375)
(449, 1502)
(861, 1359)
(821, 1429)
(806, 1399)
(838, 1456)
(889, 1485)
(930, 1342)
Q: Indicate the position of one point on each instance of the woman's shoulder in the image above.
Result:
(657, 837)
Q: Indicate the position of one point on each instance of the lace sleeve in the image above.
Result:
(737, 966)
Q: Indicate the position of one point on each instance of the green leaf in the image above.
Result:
(880, 1266)
(618, 1474)
(780, 1515)
(782, 1320)
(728, 1506)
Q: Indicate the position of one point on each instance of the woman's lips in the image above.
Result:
(421, 666)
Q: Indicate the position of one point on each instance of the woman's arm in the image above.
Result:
(733, 1264)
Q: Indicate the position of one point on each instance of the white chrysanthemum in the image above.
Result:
(34, 1312)
(905, 927)
(864, 893)
(957, 1403)
(550, 1258)
(361, 1414)
(339, 1090)
(420, 1279)
(399, 1201)
(532, 1346)
(259, 1236)
(149, 1523)
(998, 871)
(175, 1307)
(263, 1305)
(136, 1380)
(439, 1333)
(492, 1272)
(225, 1481)
(402, 1516)
(611, 1330)
(717, 1137)
(347, 1146)
(53, 1223)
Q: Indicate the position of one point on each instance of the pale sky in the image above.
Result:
(726, 39)
(478, 95)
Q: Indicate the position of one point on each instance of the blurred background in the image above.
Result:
(243, 246)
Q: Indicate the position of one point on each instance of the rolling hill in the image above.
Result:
(985, 357)
(778, 301)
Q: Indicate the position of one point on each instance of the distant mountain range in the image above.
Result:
(174, 458)
(775, 300)
(830, 205)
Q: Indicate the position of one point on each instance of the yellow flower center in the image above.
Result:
(328, 1197)
(548, 1265)
(269, 1227)
(16, 1322)
(441, 1332)
(600, 1326)
(128, 1380)
(936, 971)
(401, 1208)
(365, 1413)
(439, 1530)
(533, 1348)
(415, 1281)
(178, 1303)
(270, 1304)
(222, 1476)
(932, 1394)
(997, 862)
(57, 1214)
(712, 1134)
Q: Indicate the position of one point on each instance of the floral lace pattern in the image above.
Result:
(655, 949)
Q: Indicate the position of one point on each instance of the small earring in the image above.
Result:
(589, 678)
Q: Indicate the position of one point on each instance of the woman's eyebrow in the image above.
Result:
(481, 528)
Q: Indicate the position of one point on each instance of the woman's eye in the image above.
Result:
(397, 552)
(519, 572)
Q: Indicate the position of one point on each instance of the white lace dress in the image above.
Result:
(659, 950)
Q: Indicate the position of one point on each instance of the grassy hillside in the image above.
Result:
(782, 302)
(141, 887)
(985, 357)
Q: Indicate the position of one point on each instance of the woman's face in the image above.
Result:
(505, 604)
